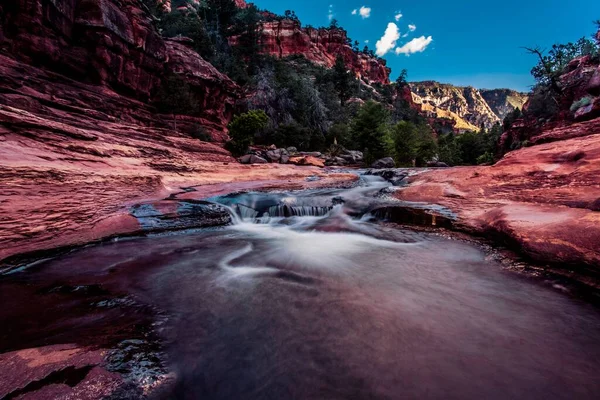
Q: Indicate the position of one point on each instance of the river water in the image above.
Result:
(304, 297)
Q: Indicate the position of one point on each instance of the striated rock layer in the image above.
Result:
(503, 101)
(470, 108)
(80, 142)
(286, 37)
(543, 199)
(112, 45)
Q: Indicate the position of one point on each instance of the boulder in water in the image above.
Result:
(395, 176)
(252, 159)
(307, 160)
(274, 155)
(335, 161)
(387, 162)
(352, 156)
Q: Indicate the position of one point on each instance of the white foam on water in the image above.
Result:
(311, 249)
(241, 271)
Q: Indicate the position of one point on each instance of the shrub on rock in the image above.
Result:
(242, 130)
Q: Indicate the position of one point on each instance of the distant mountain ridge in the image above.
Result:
(504, 101)
(469, 107)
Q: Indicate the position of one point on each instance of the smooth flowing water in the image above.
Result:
(300, 300)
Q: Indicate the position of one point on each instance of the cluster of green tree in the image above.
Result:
(375, 131)
(297, 103)
(309, 107)
(372, 129)
(470, 148)
(210, 24)
(411, 141)
(300, 100)
(304, 101)
(243, 129)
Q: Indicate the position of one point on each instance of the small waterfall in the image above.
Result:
(285, 210)
(235, 218)
(246, 212)
(263, 208)
(243, 213)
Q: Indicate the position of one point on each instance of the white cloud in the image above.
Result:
(412, 27)
(367, 41)
(365, 12)
(398, 16)
(417, 45)
(354, 11)
(330, 13)
(388, 40)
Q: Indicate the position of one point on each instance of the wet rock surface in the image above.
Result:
(538, 199)
(58, 371)
(80, 140)
(176, 215)
(173, 316)
(396, 176)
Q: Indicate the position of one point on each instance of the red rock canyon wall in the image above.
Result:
(80, 144)
(282, 38)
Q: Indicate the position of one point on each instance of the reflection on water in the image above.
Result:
(320, 305)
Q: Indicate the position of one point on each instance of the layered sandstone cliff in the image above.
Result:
(578, 101)
(464, 103)
(112, 45)
(80, 141)
(543, 199)
(286, 37)
(503, 101)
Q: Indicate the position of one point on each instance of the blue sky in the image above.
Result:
(476, 43)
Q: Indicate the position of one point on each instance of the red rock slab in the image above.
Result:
(70, 171)
(58, 371)
(286, 37)
(307, 160)
(543, 198)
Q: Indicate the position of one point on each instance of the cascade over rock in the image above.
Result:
(81, 141)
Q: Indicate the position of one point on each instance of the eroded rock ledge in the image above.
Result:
(544, 199)
(81, 143)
